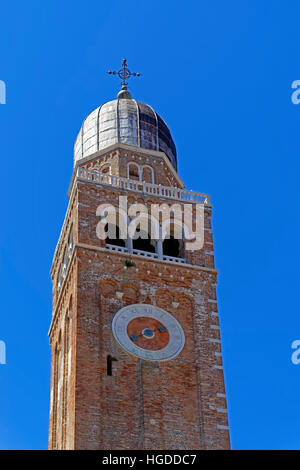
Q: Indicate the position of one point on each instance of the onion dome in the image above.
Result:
(124, 121)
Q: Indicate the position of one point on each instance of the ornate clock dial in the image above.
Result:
(148, 332)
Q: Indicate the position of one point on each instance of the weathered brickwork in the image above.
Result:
(178, 404)
(119, 159)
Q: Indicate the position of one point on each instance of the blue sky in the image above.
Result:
(220, 74)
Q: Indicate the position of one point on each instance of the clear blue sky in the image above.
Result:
(220, 74)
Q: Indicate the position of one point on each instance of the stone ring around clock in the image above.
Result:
(167, 325)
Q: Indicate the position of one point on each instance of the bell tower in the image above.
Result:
(136, 358)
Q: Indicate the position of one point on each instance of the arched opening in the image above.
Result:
(133, 171)
(113, 236)
(143, 244)
(70, 242)
(147, 174)
(142, 241)
(171, 247)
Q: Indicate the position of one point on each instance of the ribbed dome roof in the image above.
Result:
(126, 121)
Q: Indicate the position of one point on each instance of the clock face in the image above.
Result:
(148, 332)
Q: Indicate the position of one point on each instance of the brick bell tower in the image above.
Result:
(136, 358)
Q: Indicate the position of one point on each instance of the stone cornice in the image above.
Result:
(154, 260)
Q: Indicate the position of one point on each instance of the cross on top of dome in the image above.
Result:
(124, 73)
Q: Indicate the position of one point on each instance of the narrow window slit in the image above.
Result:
(110, 360)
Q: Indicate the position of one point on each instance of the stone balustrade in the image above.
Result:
(146, 254)
(169, 192)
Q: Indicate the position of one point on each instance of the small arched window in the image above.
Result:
(70, 242)
(147, 174)
(133, 171)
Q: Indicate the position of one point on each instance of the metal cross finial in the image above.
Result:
(124, 73)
